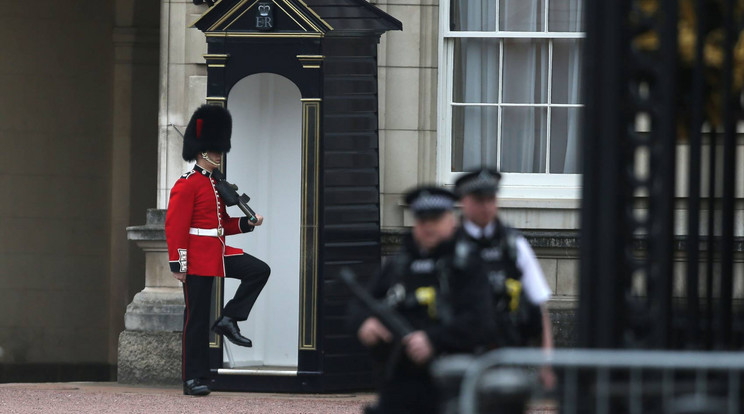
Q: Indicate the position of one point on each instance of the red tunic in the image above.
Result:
(195, 204)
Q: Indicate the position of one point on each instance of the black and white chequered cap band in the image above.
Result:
(482, 182)
(432, 202)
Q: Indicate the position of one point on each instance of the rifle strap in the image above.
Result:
(444, 302)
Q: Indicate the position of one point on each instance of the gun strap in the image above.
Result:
(444, 303)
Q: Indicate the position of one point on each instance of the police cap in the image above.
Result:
(482, 182)
(430, 202)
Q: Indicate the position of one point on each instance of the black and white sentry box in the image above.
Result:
(300, 79)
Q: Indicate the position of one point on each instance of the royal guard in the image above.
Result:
(195, 228)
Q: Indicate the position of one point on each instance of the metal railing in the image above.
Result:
(651, 60)
(599, 381)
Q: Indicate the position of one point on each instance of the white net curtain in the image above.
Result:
(516, 90)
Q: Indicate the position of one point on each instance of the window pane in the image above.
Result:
(525, 71)
(565, 16)
(565, 128)
(566, 85)
(473, 15)
(476, 71)
(521, 15)
(474, 131)
(524, 140)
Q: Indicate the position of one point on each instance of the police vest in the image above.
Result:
(518, 320)
(421, 285)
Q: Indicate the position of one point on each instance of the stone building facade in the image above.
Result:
(79, 124)
(93, 90)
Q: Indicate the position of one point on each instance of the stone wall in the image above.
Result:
(77, 93)
(408, 102)
(55, 128)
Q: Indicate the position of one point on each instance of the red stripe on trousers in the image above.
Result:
(183, 337)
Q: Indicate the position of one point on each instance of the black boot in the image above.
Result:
(195, 387)
(228, 327)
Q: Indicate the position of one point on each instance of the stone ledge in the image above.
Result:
(155, 310)
(149, 358)
(153, 229)
(391, 238)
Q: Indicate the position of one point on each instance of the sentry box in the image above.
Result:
(300, 79)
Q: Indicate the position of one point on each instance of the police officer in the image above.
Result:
(195, 228)
(440, 291)
(518, 286)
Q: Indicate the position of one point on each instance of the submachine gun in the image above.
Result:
(229, 194)
(398, 326)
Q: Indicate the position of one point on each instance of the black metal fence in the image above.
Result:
(661, 227)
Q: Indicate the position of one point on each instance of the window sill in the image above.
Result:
(540, 203)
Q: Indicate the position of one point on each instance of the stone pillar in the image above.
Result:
(134, 137)
(150, 346)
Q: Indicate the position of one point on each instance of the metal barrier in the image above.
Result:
(601, 381)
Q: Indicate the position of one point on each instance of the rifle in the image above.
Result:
(229, 194)
(398, 326)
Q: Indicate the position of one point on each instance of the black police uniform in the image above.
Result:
(518, 320)
(444, 293)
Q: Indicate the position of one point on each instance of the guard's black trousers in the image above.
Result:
(197, 292)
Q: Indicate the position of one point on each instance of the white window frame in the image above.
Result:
(514, 185)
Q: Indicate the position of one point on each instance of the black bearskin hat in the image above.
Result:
(209, 129)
